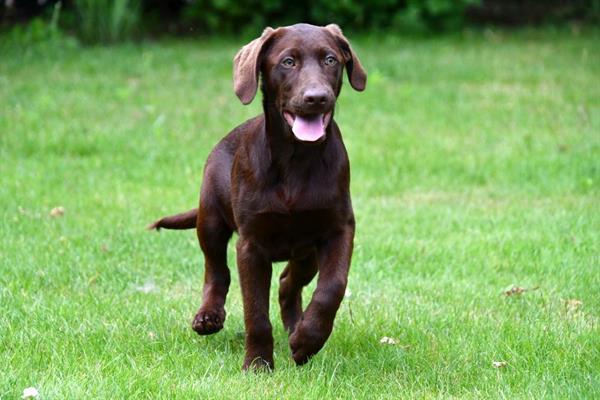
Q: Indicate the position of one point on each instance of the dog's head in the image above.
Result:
(301, 68)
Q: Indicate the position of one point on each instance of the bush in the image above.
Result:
(527, 12)
(106, 21)
(236, 16)
(39, 35)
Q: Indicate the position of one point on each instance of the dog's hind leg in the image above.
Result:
(213, 235)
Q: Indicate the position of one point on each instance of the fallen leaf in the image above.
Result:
(387, 340)
(29, 393)
(147, 287)
(93, 279)
(517, 290)
(57, 211)
(499, 364)
(572, 305)
(28, 213)
(514, 290)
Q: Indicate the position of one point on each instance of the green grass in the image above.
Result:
(476, 167)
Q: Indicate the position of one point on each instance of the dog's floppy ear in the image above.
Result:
(356, 73)
(246, 67)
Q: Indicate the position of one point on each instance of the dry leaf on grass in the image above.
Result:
(28, 213)
(388, 340)
(517, 290)
(30, 393)
(499, 364)
(93, 279)
(393, 342)
(147, 287)
(573, 305)
(57, 211)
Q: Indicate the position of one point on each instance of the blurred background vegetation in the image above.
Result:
(110, 21)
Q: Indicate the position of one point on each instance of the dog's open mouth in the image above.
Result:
(308, 128)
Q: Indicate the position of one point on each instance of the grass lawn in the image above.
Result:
(475, 166)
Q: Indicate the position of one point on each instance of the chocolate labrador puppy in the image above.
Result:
(281, 181)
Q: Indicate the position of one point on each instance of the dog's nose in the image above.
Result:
(316, 97)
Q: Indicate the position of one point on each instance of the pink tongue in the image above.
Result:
(308, 128)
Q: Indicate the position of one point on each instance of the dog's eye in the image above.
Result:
(288, 62)
(330, 60)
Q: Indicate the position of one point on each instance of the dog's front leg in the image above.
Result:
(255, 279)
(316, 324)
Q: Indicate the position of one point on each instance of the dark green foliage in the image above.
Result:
(531, 12)
(106, 20)
(236, 16)
(39, 35)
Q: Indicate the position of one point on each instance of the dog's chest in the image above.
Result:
(288, 200)
(292, 199)
(289, 220)
(287, 235)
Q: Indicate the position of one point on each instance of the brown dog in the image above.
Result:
(281, 180)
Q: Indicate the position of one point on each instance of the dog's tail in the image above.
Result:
(186, 220)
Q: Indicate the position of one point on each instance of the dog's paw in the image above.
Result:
(258, 364)
(207, 322)
(305, 343)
